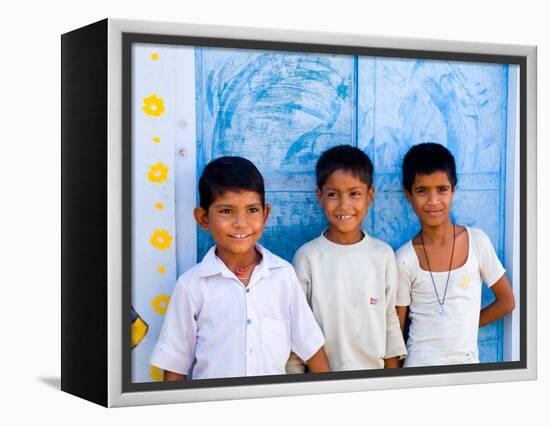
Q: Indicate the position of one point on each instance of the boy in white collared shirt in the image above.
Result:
(240, 311)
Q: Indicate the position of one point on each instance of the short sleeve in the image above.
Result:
(306, 335)
(303, 272)
(295, 365)
(175, 348)
(490, 267)
(404, 281)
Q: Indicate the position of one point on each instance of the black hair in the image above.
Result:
(229, 174)
(425, 159)
(344, 157)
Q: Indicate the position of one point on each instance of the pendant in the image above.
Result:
(440, 311)
(241, 270)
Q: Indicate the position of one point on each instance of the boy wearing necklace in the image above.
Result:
(442, 268)
(349, 277)
(241, 310)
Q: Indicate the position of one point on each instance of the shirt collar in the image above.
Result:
(212, 265)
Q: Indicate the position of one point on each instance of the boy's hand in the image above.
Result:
(170, 376)
(392, 362)
(318, 363)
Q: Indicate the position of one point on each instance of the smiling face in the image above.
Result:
(431, 197)
(345, 200)
(236, 221)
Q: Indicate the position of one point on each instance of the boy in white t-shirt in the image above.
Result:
(241, 311)
(442, 268)
(348, 276)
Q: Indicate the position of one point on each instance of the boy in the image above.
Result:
(241, 310)
(348, 276)
(442, 268)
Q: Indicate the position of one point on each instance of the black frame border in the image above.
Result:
(128, 39)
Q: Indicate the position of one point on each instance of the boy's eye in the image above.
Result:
(332, 195)
(253, 210)
(356, 194)
(225, 211)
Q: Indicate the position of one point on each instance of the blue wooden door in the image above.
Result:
(281, 110)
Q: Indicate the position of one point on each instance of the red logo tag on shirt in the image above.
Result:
(373, 300)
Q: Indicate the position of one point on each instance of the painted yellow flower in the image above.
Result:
(160, 303)
(158, 173)
(156, 139)
(153, 105)
(161, 269)
(154, 56)
(157, 374)
(159, 206)
(465, 281)
(161, 239)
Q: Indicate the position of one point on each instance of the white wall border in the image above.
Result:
(115, 395)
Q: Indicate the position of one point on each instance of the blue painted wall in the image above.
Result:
(281, 110)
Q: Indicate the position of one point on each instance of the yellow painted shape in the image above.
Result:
(160, 303)
(158, 173)
(154, 56)
(156, 139)
(465, 281)
(157, 374)
(161, 269)
(153, 105)
(159, 206)
(139, 330)
(161, 239)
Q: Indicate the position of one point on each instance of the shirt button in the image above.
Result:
(249, 321)
(248, 290)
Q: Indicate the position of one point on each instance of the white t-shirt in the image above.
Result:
(450, 337)
(351, 290)
(217, 327)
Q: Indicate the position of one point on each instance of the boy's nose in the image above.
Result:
(344, 201)
(433, 198)
(239, 219)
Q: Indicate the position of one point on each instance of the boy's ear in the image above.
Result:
(371, 191)
(407, 195)
(319, 194)
(267, 209)
(201, 217)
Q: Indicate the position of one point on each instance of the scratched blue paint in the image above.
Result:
(281, 110)
(455, 104)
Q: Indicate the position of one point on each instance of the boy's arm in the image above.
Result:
(318, 363)
(170, 376)
(306, 335)
(174, 351)
(492, 271)
(395, 346)
(402, 312)
(295, 365)
(504, 302)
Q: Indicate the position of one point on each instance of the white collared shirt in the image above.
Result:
(217, 327)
